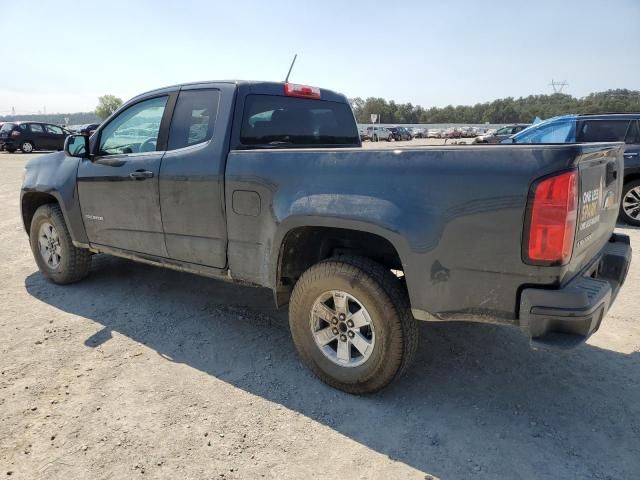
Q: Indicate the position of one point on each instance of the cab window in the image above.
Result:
(194, 118)
(134, 130)
(276, 121)
(36, 128)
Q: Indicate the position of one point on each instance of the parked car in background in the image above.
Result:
(399, 133)
(618, 127)
(501, 133)
(379, 133)
(452, 133)
(434, 133)
(88, 129)
(405, 133)
(418, 132)
(362, 131)
(30, 136)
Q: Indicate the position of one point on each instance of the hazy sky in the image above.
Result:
(426, 52)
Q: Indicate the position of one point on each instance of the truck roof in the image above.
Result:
(251, 86)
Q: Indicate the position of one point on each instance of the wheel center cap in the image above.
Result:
(343, 327)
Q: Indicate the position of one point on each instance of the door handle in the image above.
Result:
(141, 174)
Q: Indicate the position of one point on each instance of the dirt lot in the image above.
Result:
(145, 372)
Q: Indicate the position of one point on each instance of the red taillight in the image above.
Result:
(15, 134)
(553, 219)
(295, 90)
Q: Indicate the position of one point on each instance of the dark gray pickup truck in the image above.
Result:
(267, 184)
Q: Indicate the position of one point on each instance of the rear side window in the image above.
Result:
(7, 127)
(633, 135)
(272, 120)
(602, 130)
(561, 130)
(36, 128)
(53, 129)
(193, 118)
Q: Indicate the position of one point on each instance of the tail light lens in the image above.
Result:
(552, 221)
(15, 134)
(304, 91)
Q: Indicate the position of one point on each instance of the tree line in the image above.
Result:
(505, 110)
(78, 118)
(107, 104)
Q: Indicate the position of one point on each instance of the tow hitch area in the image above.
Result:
(566, 317)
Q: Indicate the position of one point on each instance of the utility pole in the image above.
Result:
(558, 86)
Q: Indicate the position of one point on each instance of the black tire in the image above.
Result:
(381, 293)
(10, 150)
(624, 216)
(27, 147)
(74, 263)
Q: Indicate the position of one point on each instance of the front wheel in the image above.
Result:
(57, 258)
(351, 324)
(630, 207)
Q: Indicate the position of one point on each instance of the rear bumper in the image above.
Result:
(569, 315)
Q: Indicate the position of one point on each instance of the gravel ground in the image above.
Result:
(142, 371)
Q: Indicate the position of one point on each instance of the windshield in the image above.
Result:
(554, 130)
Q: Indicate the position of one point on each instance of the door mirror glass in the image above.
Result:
(77, 146)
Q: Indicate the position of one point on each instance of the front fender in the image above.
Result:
(55, 175)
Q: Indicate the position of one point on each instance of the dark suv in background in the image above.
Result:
(602, 127)
(30, 136)
(400, 133)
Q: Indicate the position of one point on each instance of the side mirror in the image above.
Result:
(77, 146)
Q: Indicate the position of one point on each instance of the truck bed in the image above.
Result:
(454, 214)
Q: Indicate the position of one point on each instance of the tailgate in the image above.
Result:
(601, 178)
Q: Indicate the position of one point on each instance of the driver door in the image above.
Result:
(118, 187)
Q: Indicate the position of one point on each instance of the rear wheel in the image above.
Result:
(351, 324)
(630, 207)
(10, 149)
(57, 258)
(26, 147)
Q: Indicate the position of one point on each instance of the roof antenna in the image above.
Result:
(291, 68)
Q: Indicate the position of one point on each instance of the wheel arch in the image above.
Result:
(30, 202)
(631, 177)
(304, 241)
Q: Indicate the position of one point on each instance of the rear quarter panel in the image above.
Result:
(454, 214)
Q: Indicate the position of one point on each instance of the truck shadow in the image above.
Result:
(477, 402)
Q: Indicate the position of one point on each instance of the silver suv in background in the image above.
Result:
(501, 133)
(379, 133)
